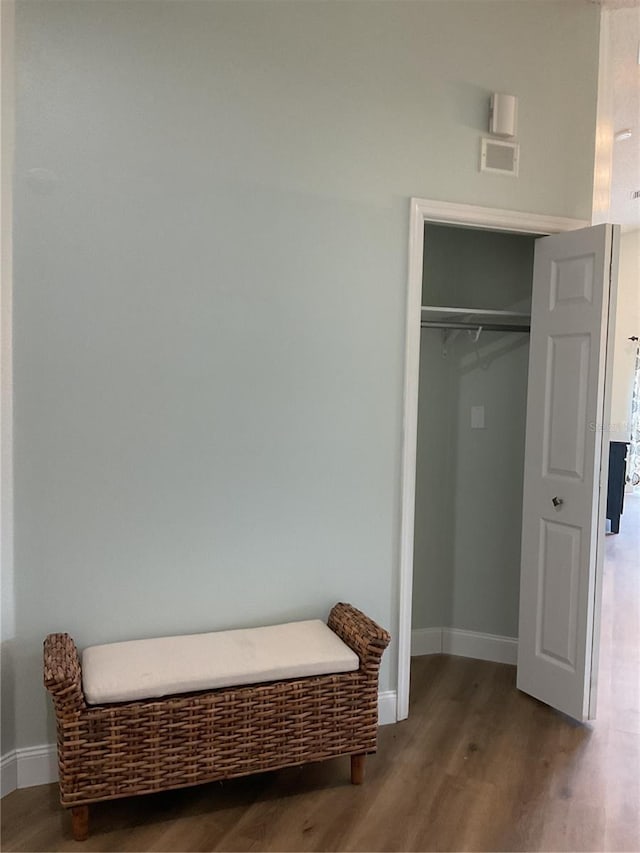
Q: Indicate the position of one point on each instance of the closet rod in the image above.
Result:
(486, 327)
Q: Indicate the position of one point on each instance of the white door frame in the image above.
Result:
(443, 213)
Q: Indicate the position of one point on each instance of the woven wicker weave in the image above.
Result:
(118, 750)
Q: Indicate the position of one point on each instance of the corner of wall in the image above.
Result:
(8, 768)
(603, 153)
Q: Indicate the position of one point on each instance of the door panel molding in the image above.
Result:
(558, 592)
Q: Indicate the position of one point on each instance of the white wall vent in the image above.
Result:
(635, 194)
(500, 157)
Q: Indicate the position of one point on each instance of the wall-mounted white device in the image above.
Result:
(498, 156)
(503, 115)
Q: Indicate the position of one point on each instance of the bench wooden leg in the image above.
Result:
(357, 768)
(80, 822)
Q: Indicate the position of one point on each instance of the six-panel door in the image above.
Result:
(566, 445)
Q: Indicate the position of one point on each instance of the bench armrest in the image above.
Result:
(62, 673)
(361, 634)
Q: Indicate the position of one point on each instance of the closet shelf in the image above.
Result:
(437, 317)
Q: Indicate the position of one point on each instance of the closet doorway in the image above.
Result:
(505, 401)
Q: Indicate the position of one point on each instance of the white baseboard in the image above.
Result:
(475, 644)
(24, 768)
(8, 773)
(387, 707)
(468, 644)
(426, 641)
(38, 765)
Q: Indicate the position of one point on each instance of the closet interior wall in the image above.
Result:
(469, 481)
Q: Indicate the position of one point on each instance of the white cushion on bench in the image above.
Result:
(143, 669)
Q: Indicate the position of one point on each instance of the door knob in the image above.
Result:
(557, 502)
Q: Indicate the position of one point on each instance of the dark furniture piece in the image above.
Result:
(617, 480)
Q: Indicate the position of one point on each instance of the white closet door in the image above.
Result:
(566, 460)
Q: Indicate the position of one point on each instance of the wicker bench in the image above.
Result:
(118, 750)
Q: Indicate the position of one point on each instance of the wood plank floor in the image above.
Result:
(478, 766)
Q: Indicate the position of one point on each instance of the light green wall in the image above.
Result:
(469, 481)
(434, 507)
(489, 467)
(211, 221)
(7, 593)
(476, 268)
